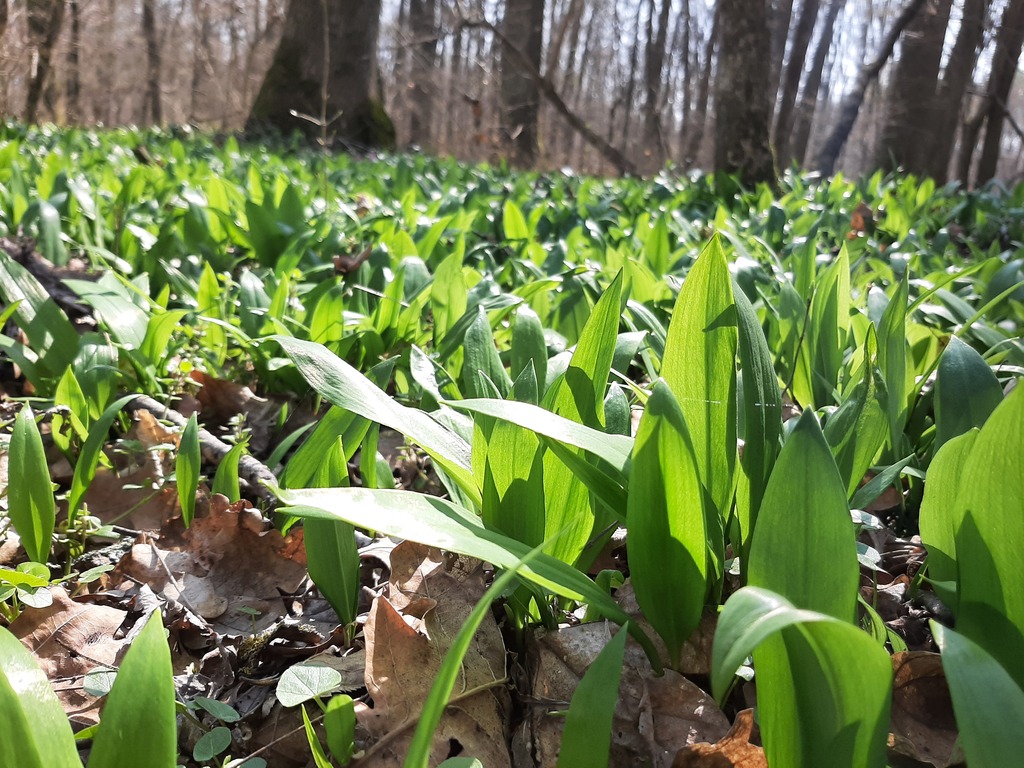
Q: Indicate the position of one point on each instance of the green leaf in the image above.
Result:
(991, 536)
(340, 724)
(186, 469)
(667, 523)
(30, 494)
(941, 516)
(439, 523)
(482, 361)
(304, 682)
(139, 717)
(966, 391)
(342, 385)
(700, 369)
(223, 712)
(36, 732)
(586, 739)
(448, 296)
(528, 343)
(986, 700)
(513, 223)
(804, 546)
(225, 480)
(892, 359)
(830, 323)
(85, 467)
(315, 747)
(211, 744)
(823, 685)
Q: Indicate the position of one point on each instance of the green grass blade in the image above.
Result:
(803, 546)
(30, 494)
(986, 700)
(139, 717)
(36, 732)
(586, 740)
(186, 469)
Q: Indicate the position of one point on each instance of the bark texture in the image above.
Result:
(423, 52)
(812, 88)
(154, 109)
(742, 104)
(1009, 38)
(791, 79)
(325, 72)
(45, 19)
(522, 38)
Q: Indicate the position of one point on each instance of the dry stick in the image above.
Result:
(610, 153)
(214, 449)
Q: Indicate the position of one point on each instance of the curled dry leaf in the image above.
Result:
(655, 716)
(221, 401)
(404, 654)
(923, 725)
(732, 751)
(70, 640)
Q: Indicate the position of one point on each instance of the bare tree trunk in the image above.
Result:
(633, 77)
(780, 16)
(742, 104)
(522, 37)
(1009, 39)
(153, 110)
(326, 78)
(698, 118)
(45, 18)
(791, 80)
(73, 82)
(809, 97)
(3, 17)
(911, 112)
(654, 64)
(423, 26)
(950, 94)
(826, 160)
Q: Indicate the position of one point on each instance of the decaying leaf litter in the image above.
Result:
(247, 627)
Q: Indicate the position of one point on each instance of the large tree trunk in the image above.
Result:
(654, 64)
(950, 94)
(809, 97)
(742, 101)
(791, 79)
(1009, 39)
(325, 74)
(522, 37)
(911, 108)
(423, 26)
(153, 108)
(3, 18)
(45, 18)
(826, 160)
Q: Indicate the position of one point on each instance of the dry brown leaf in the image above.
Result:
(404, 654)
(923, 724)
(654, 718)
(221, 401)
(69, 640)
(732, 751)
(231, 562)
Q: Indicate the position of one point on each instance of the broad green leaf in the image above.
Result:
(830, 323)
(991, 536)
(69, 394)
(482, 361)
(223, 712)
(586, 739)
(186, 469)
(139, 717)
(823, 685)
(126, 321)
(85, 467)
(892, 359)
(439, 523)
(528, 343)
(803, 547)
(225, 480)
(700, 369)
(30, 502)
(762, 414)
(342, 385)
(211, 744)
(513, 223)
(448, 296)
(50, 242)
(986, 700)
(451, 667)
(941, 515)
(666, 513)
(966, 391)
(306, 681)
(36, 732)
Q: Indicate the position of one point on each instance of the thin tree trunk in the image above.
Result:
(949, 97)
(780, 16)
(633, 77)
(698, 119)
(3, 17)
(1009, 40)
(826, 160)
(423, 26)
(809, 97)
(153, 109)
(44, 24)
(654, 64)
(791, 79)
(742, 105)
(73, 82)
(521, 50)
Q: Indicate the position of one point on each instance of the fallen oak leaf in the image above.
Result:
(734, 750)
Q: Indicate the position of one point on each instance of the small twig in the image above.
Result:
(394, 733)
(214, 449)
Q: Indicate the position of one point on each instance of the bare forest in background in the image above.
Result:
(601, 86)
